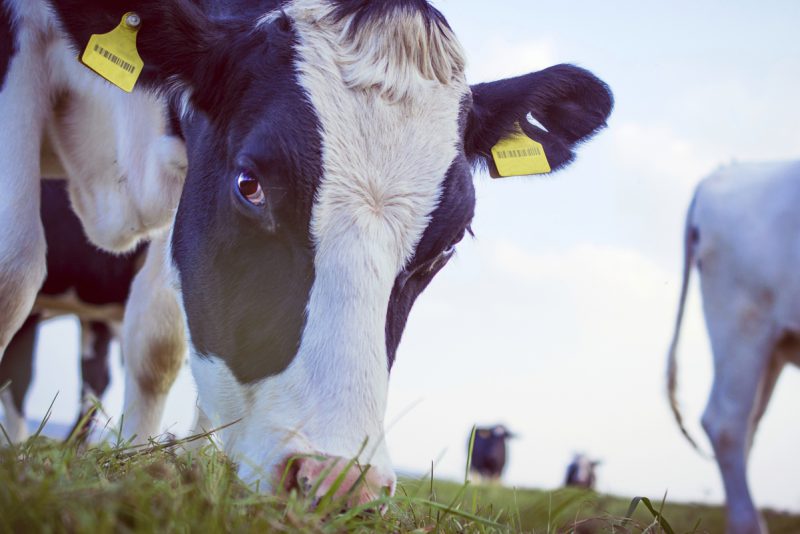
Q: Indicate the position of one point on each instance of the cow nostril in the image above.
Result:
(321, 478)
(304, 484)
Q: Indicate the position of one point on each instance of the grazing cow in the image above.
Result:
(83, 281)
(742, 234)
(581, 473)
(489, 451)
(330, 147)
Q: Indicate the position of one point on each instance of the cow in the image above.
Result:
(82, 280)
(742, 236)
(488, 446)
(330, 148)
(581, 472)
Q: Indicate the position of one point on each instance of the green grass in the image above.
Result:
(48, 486)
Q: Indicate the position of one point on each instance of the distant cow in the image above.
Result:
(581, 472)
(489, 451)
(743, 235)
(81, 280)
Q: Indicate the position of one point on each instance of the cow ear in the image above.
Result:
(569, 102)
(180, 45)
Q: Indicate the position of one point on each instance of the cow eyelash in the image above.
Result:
(451, 249)
(443, 257)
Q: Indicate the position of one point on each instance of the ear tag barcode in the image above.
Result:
(519, 155)
(113, 55)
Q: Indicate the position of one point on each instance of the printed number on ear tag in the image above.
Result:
(519, 155)
(114, 56)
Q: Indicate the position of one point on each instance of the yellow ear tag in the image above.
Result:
(519, 155)
(113, 55)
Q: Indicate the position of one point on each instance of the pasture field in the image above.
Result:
(49, 486)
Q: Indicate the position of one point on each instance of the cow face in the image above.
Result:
(331, 144)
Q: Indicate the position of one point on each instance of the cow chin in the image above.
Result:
(287, 431)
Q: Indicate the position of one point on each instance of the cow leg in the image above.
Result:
(23, 103)
(202, 424)
(154, 344)
(765, 390)
(743, 344)
(96, 337)
(16, 374)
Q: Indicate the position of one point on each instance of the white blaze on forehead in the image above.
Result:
(389, 122)
(384, 162)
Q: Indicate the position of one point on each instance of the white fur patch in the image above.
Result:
(15, 425)
(285, 415)
(87, 342)
(23, 108)
(153, 342)
(400, 54)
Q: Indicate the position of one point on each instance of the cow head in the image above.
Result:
(331, 148)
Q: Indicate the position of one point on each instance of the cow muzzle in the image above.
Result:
(336, 479)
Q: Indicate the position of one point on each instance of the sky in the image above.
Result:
(556, 318)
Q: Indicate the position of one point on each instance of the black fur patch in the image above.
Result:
(17, 363)
(246, 272)
(8, 45)
(73, 262)
(448, 225)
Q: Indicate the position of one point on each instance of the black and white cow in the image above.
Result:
(742, 235)
(488, 459)
(581, 472)
(330, 146)
(83, 281)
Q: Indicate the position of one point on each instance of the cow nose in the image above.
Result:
(337, 478)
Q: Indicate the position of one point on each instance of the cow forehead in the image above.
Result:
(397, 47)
(388, 94)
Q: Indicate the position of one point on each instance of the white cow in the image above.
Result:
(743, 235)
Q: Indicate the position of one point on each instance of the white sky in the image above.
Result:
(556, 319)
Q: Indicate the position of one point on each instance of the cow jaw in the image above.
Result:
(290, 414)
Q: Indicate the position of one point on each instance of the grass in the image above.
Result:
(49, 486)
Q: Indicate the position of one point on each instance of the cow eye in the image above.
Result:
(449, 251)
(442, 258)
(250, 189)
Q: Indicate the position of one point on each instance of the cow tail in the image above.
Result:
(689, 242)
